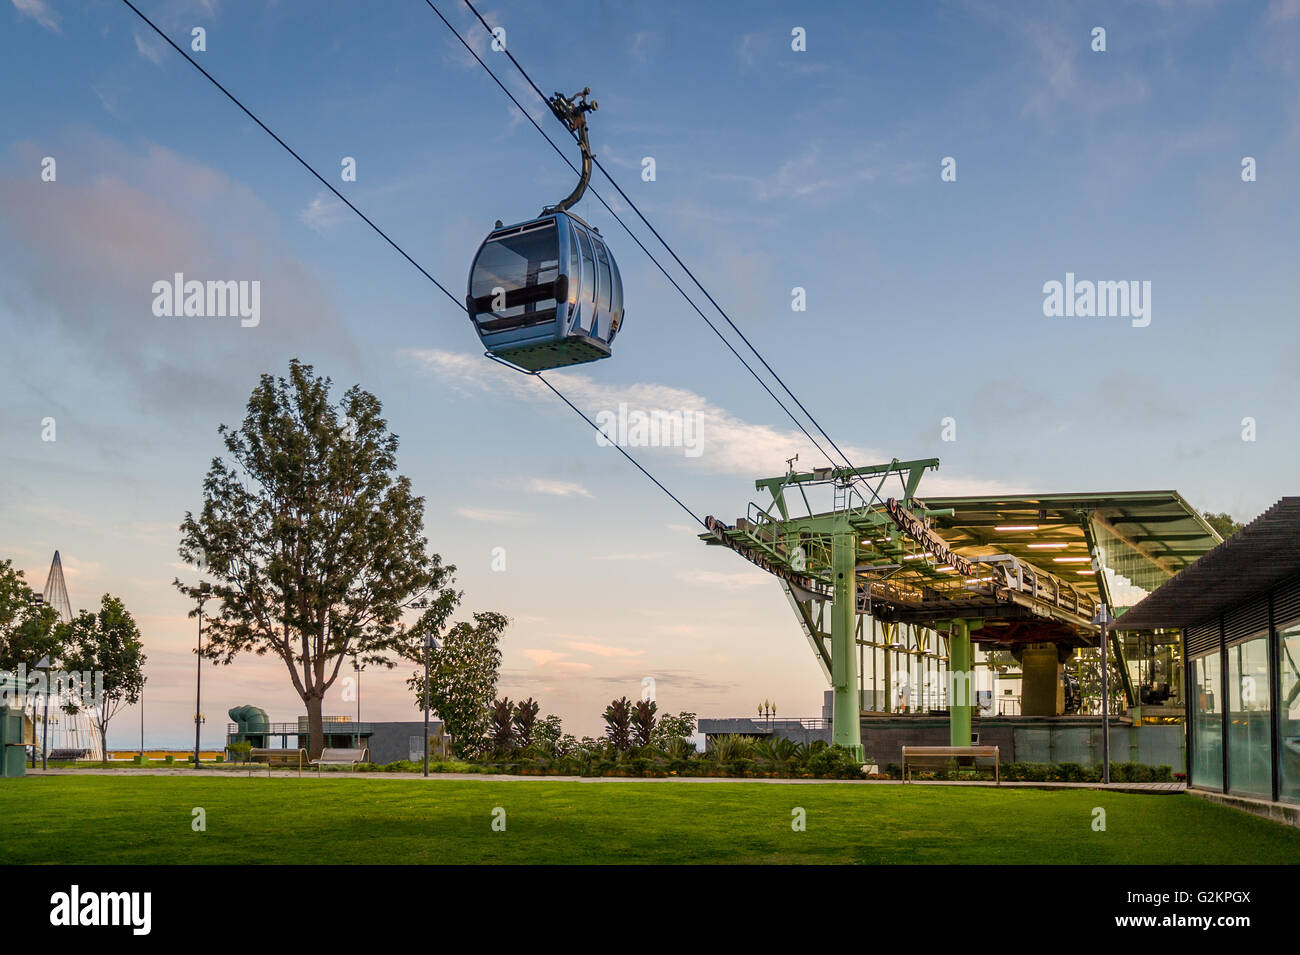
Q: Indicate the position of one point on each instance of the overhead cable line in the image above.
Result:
(664, 243)
(717, 331)
(459, 305)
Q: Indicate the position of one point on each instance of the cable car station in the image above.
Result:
(898, 595)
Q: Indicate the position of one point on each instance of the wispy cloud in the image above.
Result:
(731, 445)
(546, 486)
(603, 649)
(148, 49)
(489, 515)
(323, 213)
(39, 11)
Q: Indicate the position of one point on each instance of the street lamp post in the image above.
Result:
(143, 681)
(38, 600)
(430, 645)
(356, 665)
(44, 664)
(204, 590)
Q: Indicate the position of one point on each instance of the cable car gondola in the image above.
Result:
(546, 292)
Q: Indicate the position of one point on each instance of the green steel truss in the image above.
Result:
(963, 568)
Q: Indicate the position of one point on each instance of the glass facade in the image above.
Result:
(1207, 722)
(1244, 693)
(1250, 734)
(1288, 713)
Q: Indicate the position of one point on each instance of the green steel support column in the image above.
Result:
(846, 728)
(962, 676)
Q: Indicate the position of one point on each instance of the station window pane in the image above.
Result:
(1207, 722)
(1250, 735)
(1288, 716)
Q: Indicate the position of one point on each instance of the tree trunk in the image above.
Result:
(315, 727)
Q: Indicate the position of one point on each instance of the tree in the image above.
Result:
(550, 729)
(463, 679)
(1223, 523)
(503, 726)
(526, 721)
(108, 643)
(314, 543)
(643, 722)
(669, 728)
(618, 724)
(27, 631)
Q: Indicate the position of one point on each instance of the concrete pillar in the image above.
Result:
(961, 676)
(846, 725)
(1042, 691)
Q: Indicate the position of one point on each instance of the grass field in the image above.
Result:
(138, 819)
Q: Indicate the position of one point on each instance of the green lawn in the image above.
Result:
(138, 819)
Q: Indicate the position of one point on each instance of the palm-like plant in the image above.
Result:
(503, 727)
(643, 722)
(618, 724)
(525, 718)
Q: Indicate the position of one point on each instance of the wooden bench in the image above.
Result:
(340, 757)
(940, 756)
(278, 757)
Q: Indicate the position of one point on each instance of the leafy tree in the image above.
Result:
(27, 631)
(669, 728)
(618, 724)
(503, 726)
(550, 729)
(314, 543)
(463, 679)
(1223, 523)
(526, 721)
(108, 643)
(643, 722)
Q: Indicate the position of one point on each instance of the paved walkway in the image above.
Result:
(483, 777)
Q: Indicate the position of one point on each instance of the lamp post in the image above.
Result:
(356, 665)
(204, 590)
(44, 664)
(430, 645)
(143, 681)
(38, 601)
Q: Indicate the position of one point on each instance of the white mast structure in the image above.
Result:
(67, 731)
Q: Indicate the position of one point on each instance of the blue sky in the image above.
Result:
(775, 169)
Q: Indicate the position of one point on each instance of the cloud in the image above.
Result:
(729, 444)
(549, 487)
(636, 556)
(148, 49)
(741, 580)
(806, 174)
(39, 11)
(603, 649)
(554, 663)
(82, 258)
(323, 213)
(489, 515)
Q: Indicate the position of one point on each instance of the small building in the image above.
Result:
(387, 742)
(1238, 609)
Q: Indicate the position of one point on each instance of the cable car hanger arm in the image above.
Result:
(572, 112)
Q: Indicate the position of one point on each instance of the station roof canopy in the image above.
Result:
(1263, 553)
(1146, 536)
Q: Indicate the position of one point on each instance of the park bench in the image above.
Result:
(340, 757)
(940, 756)
(278, 757)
